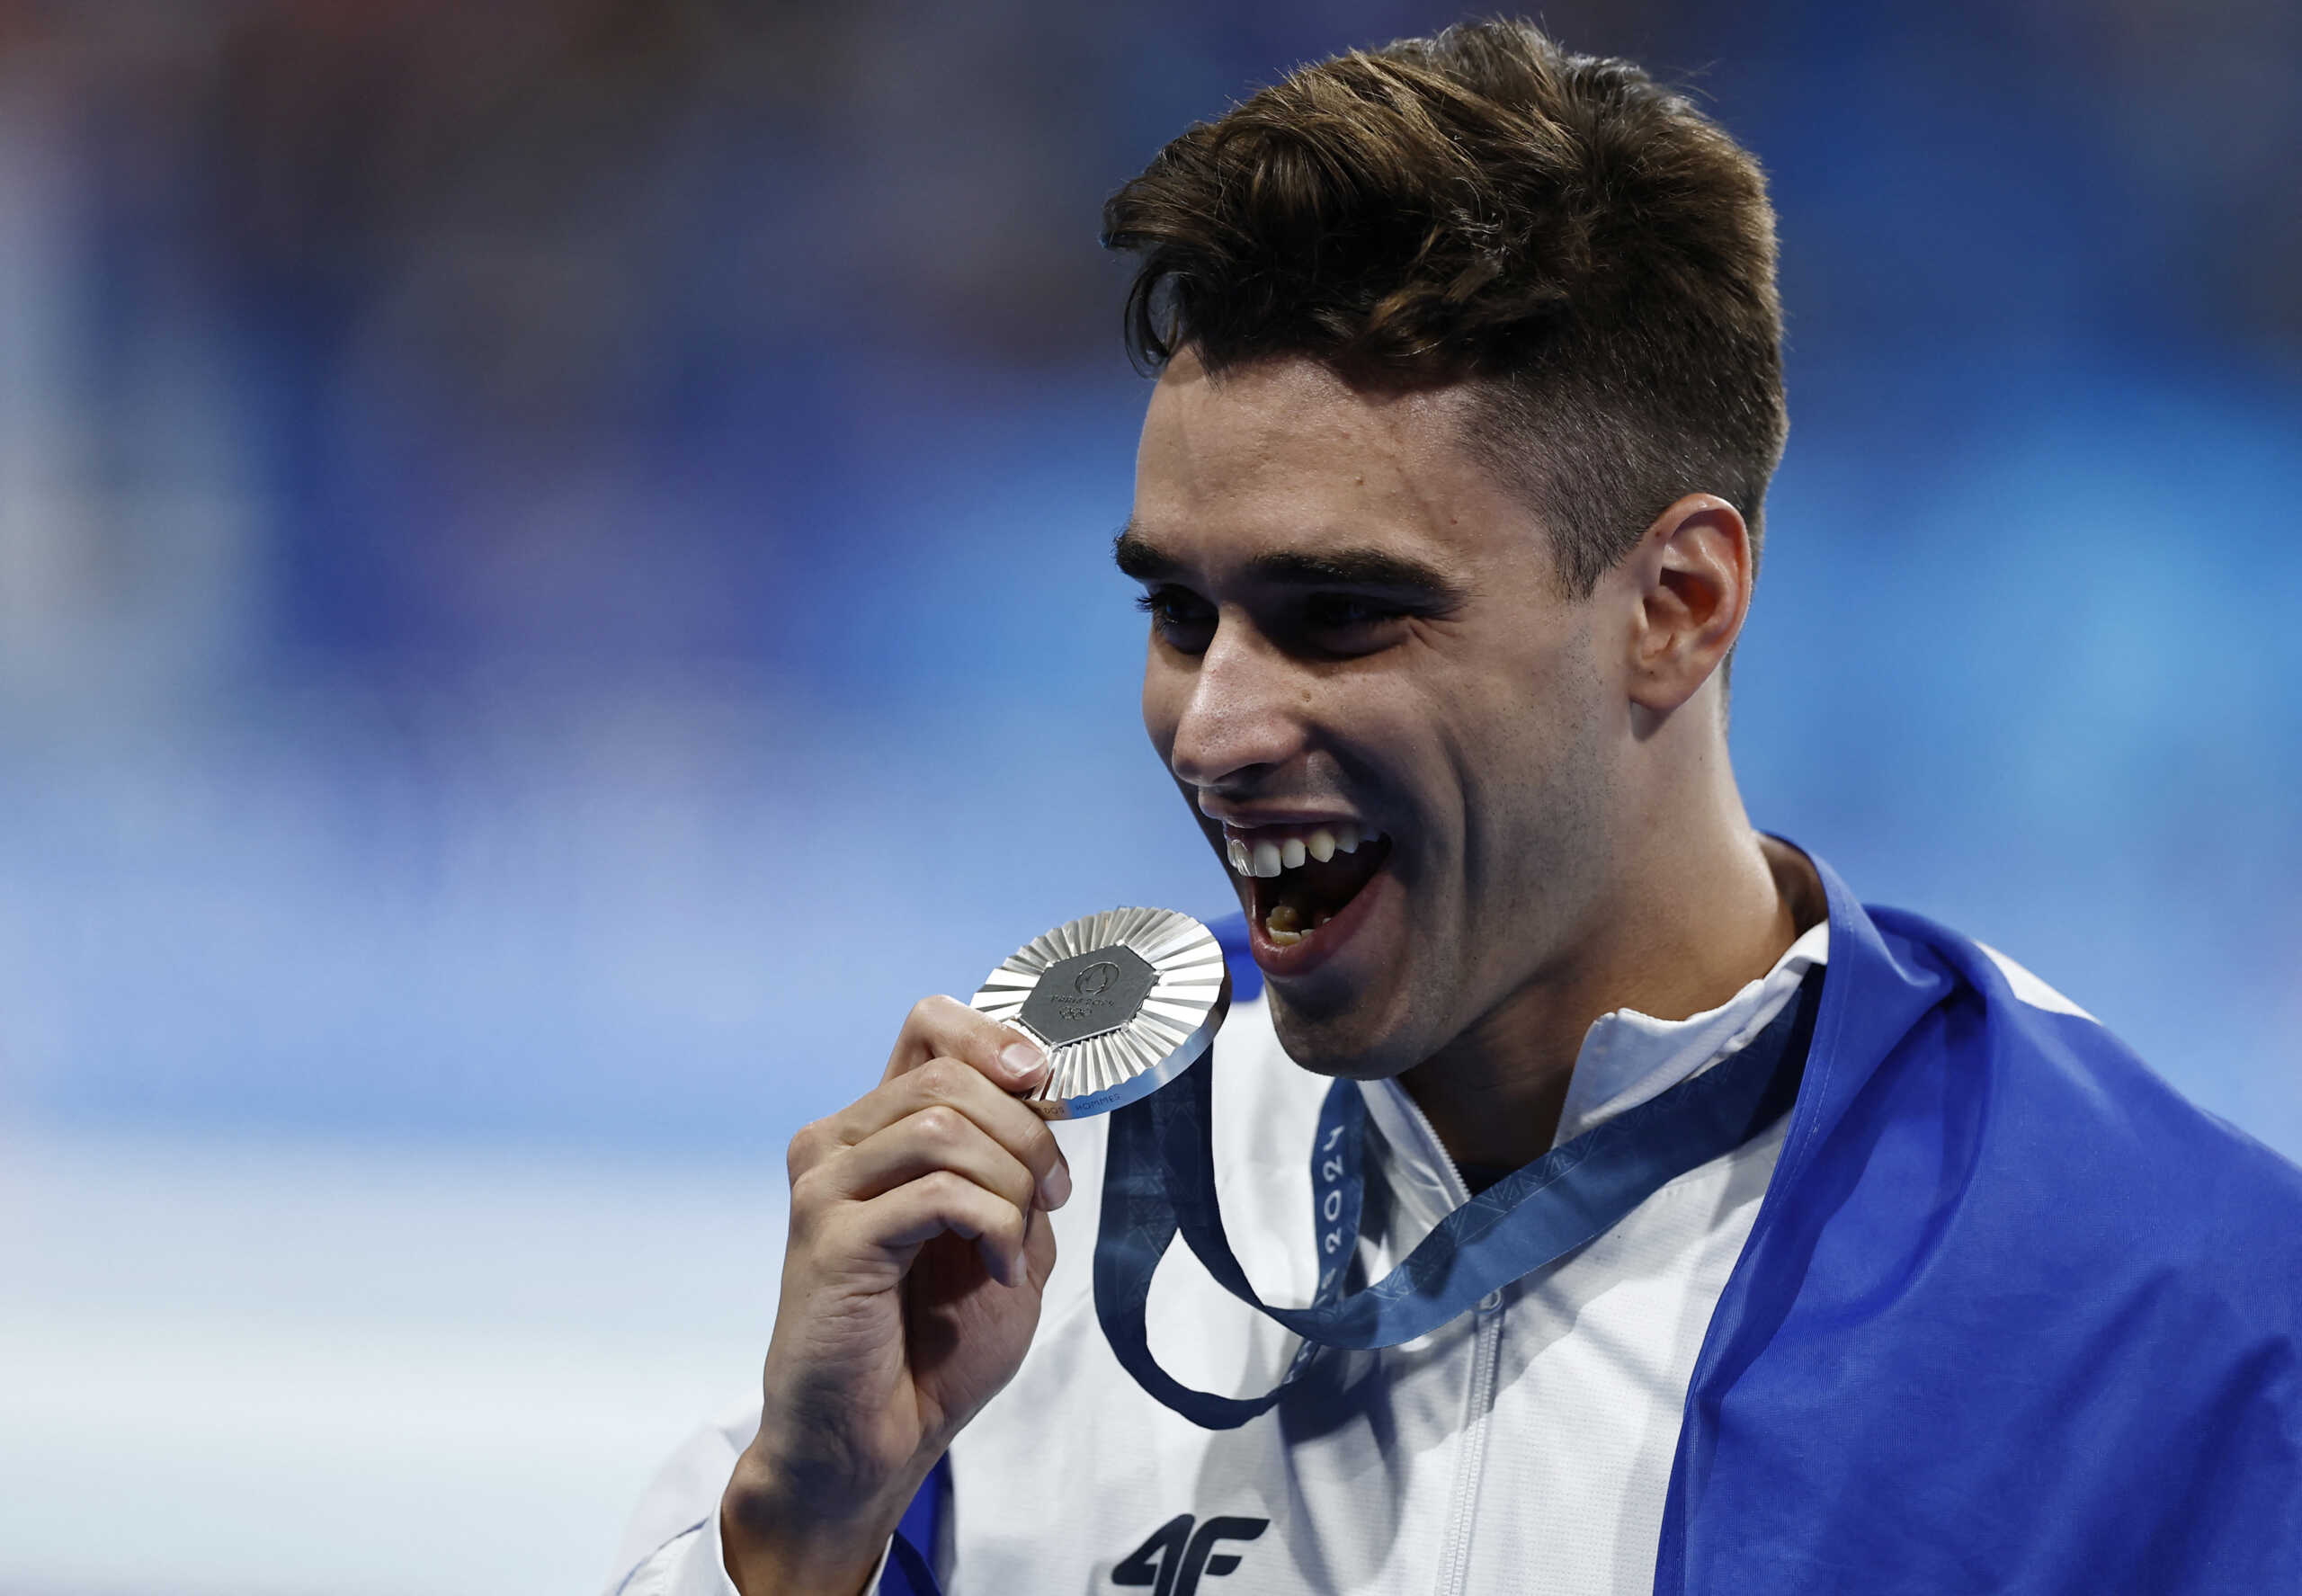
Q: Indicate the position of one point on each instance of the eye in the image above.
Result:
(1350, 623)
(1182, 619)
(1344, 610)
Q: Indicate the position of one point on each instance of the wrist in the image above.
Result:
(778, 1542)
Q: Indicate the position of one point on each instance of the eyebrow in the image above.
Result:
(1139, 557)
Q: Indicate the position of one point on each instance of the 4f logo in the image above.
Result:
(1171, 1561)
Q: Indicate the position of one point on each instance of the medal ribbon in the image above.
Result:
(1159, 1179)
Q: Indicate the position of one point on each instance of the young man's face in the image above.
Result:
(1355, 624)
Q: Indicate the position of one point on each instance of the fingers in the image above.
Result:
(946, 1028)
(941, 1143)
(937, 1137)
(917, 1211)
(947, 1084)
(1039, 1248)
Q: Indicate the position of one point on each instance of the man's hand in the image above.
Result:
(919, 1247)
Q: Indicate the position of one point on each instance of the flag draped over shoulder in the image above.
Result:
(2013, 1317)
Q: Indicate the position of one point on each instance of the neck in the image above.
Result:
(1676, 937)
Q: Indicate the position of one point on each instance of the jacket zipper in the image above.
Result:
(1470, 1466)
(1486, 1352)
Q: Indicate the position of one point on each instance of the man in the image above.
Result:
(1447, 513)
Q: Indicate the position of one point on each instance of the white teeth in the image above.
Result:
(1285, 939)
(1266, 857)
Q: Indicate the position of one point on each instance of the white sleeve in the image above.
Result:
(688, 1565)
(671, 1546)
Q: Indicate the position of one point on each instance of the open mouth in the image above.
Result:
(1304, 876)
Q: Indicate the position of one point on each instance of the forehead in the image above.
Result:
(1284, 455)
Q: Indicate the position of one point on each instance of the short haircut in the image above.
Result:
(1581, 243)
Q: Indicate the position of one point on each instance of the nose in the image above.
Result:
(1240, 713)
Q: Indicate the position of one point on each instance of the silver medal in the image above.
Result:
(1122, 1002)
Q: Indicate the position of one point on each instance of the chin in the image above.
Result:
(1348, 1044)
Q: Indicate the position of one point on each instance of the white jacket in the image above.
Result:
(1527, 1446)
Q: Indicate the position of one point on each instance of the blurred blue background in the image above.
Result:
(536, 540)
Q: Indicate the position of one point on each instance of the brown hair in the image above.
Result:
(1482, 206)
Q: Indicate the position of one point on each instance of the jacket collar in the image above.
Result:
(1627, 1058)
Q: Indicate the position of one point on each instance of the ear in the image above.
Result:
(1692, 569)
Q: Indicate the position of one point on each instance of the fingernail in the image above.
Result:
(1021, 1059)
(1055, 1188)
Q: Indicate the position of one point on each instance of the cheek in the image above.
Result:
(1525, 746)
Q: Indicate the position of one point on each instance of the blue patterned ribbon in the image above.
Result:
(1159, 1179)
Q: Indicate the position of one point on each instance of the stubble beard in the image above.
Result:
(1546, 877)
